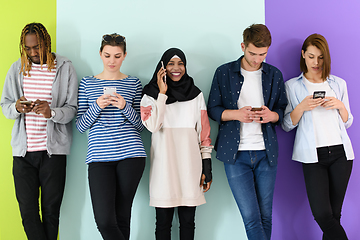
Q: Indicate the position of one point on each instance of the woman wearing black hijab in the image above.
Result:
(174, 110)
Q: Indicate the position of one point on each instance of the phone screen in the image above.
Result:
(319, 94)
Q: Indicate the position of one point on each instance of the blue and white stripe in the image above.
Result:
(114, 133)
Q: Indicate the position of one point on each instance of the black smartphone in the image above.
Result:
(319, 94)
(26, 102)
(256, 109)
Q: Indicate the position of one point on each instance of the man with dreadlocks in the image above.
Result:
(40, 93)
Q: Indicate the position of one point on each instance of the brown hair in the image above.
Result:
(257, 34)
(115, 40)
(44, 41)
(320, 42)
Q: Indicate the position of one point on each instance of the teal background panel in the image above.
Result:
(210, 33)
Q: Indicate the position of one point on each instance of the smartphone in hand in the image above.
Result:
(26, 102)
(319, 94)
(110, 90)
(256, 109)
(162, 65)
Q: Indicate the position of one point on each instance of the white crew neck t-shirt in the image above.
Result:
(251, 136)
(326, 122)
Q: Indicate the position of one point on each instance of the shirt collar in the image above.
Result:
(330, 78)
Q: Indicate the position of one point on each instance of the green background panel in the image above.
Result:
(14, 15)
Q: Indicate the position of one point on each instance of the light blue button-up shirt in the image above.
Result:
(305, 144)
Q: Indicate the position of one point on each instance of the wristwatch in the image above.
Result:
(53, 113)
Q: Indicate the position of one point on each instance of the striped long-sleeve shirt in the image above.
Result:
(114, 133)
(37, 85)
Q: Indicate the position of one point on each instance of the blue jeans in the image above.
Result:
(252, 182)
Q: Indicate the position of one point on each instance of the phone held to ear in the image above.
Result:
(110, 90)
(162, 65)
(319, 94)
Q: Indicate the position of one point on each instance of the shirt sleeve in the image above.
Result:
(215, 104)
(152, 112)
(65, 113)
(132, 111)
(203, 130)
(287, 124)
(11, 94)
(87, 114)
(345, 99)
(282, 100)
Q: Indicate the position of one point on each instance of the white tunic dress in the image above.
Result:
(180, 139)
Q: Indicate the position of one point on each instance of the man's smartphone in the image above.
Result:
(256, 109)
(109, 90)
(319, 94)
(162, 64)
(26, 102)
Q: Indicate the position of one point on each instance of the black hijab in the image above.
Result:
(182, 90)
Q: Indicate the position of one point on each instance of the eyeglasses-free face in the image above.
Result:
(32, 48)
(314, 60)
(175, 69)
(112, 57)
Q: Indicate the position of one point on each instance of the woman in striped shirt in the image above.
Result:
(109, 105)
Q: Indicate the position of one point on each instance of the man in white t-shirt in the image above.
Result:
(40, 94)
(248, 99)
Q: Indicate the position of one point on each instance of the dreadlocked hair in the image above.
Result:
(44, 41)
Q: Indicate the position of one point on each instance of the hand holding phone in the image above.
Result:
(24, 106)
(253, 109)
(162, 65)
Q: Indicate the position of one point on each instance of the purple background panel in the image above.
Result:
(290, 22)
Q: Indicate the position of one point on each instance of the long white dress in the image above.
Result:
(180, 139)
